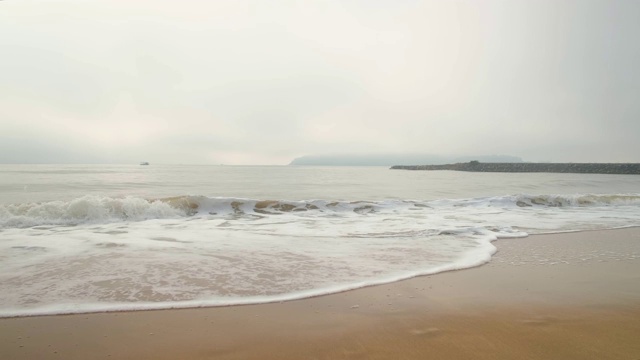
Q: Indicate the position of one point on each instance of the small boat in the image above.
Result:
(144, 163)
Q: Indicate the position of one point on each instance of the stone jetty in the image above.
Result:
(579, 168)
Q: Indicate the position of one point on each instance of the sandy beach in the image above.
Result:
(560, 296)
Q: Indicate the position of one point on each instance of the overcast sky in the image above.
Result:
(262, 82)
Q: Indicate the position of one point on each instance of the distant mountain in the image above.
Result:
(395, 159)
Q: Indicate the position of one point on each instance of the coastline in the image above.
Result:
(565, 296)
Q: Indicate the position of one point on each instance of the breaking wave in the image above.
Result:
(577, 200)
(87, 209)
(101, 253)
(100, 209)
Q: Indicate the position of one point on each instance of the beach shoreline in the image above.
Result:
(554, 296)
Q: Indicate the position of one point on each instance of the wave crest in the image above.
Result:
(576, 200)
(87, 209)
(97, 209)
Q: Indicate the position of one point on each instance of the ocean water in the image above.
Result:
(84, 238)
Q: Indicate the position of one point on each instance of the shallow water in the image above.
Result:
(77, 238)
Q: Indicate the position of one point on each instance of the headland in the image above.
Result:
(578, 168)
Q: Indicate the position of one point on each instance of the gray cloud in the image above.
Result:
(256, 82)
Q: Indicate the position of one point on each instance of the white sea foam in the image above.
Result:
(102, 253)
(101, 209)
(87, 209)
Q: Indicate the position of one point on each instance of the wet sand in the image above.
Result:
(562, 296)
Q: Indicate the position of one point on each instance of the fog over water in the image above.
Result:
(254, 82)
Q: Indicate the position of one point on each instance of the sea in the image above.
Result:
(94, 238)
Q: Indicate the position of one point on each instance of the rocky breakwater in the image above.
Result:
(579, 168)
